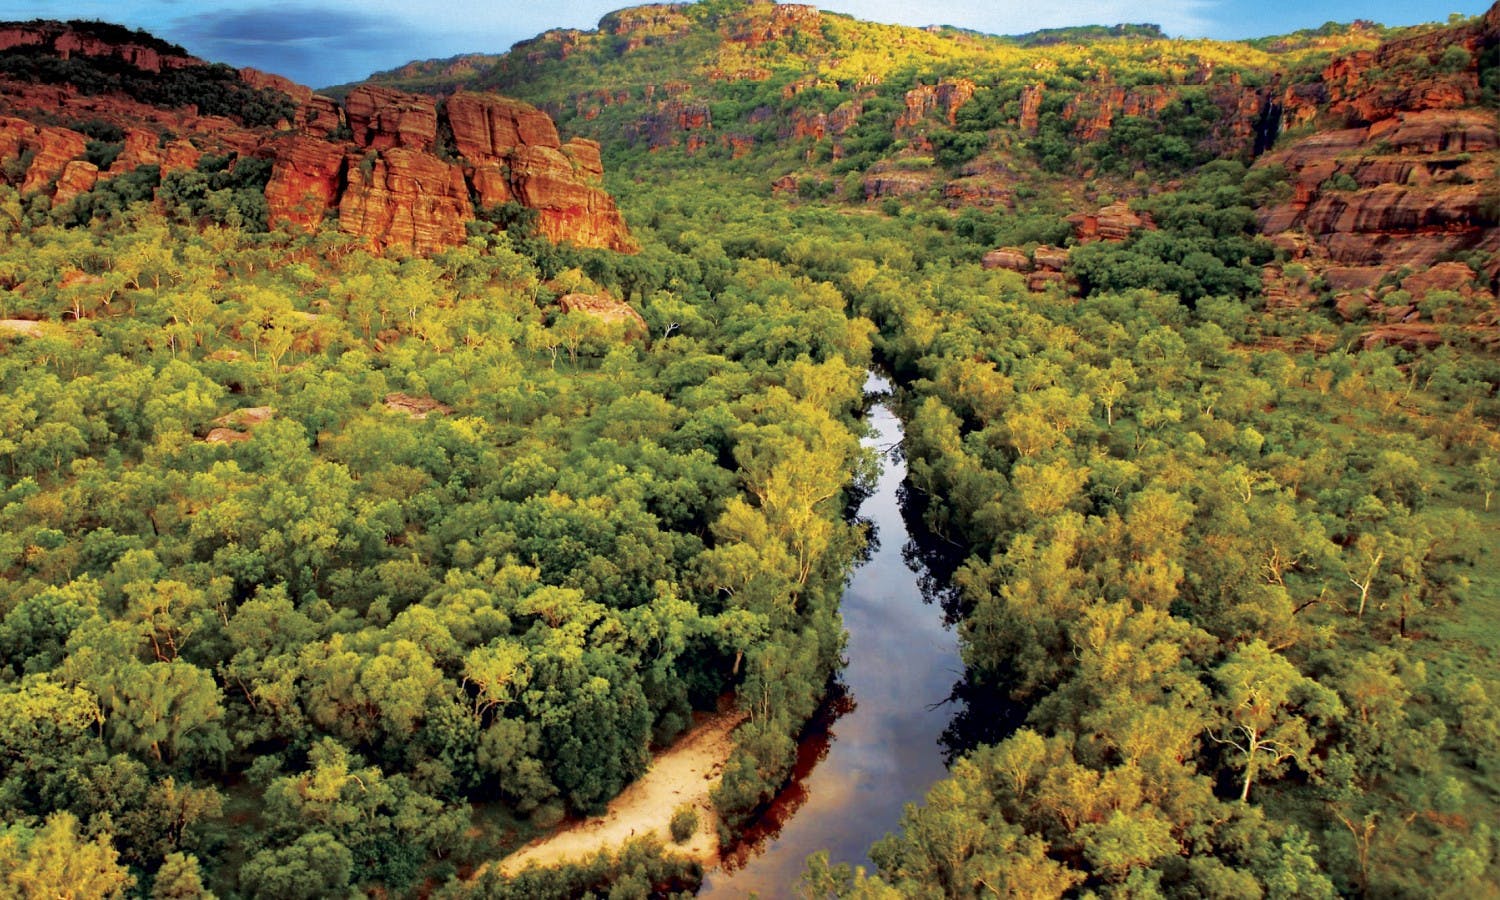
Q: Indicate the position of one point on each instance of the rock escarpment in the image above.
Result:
(1404, 172)
(397, 169)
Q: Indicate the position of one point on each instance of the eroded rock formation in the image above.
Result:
(397, 169)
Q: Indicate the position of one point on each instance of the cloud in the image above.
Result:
(316, 45)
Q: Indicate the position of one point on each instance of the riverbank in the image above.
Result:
(682, 774)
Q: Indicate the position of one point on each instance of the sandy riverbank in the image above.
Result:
(684, 773)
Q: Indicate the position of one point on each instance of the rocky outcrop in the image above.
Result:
(945, 98)
(607, 310)
(65, 41)
(47, 150)
(1043, 267)
(1407, 190)
(77, 177)
(1031, 108)
(1013, 259)
(382, 118)
(671, 120)
(1115, 222)
(1411, 74)
(894, 183)
(511, 151)
(765, 23)
(1093, 112)
(300, 94)
(640, 26)
(306, 177)
(400, 197)
(487, 126)
(377, 163)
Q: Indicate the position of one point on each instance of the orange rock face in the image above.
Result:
(401, 197)
(66, 42)
(1115, 222)
(51, 150)
(945, 97)
(376, 163)
(488, 126)
(382, 118)
(300, 94)
(1031, 108)
(405, 198)
(305, 179)
(755, 28)
(568, 207)
(1013, 259)
(78, 177)
(1403, 191)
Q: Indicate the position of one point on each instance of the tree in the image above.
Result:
(316, 865)
(1268, 711)
(179, 879)
(55, 861)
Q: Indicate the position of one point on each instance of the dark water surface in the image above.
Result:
(878, 745)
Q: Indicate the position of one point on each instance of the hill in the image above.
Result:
(95, 113)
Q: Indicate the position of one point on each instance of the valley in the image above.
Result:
(409, 481)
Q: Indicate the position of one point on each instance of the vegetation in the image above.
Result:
(247, 604)
(216, 89)
(324, 571)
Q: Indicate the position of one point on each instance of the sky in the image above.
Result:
(325, 42)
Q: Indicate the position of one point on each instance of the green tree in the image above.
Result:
(1270, 712)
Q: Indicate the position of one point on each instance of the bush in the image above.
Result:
(684, 824)
(1342, 181)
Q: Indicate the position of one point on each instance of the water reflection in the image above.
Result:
(881, 742)
(813, 749)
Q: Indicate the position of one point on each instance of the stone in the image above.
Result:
(1012, 258)
(1053, 259)
(78, 177)
(306, 177)
(400, 197)
(382, 118)
(488, 126)
(607, 310)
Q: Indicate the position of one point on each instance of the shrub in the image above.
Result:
(684, 824)
(1342, 181)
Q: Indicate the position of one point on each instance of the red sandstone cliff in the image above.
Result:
(376, 163)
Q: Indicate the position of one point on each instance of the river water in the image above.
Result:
(878, 745)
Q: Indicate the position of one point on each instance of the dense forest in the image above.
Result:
(455, 556)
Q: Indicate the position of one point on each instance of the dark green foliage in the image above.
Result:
(684, 824)
(641, 868)
(223, 190)
(1084, 34)
(215, 89)
(111, 198)
(954, 148)
(102, 154)
(1173, 140)
(989, 230)
(1205, 245)
(111, 33)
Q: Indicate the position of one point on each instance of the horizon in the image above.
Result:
(322, 43)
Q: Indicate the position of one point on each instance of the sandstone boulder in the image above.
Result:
(607, 310)
(77, 177)
(1013, 259)
(488, 126)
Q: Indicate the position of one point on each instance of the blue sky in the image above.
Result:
(322, 42)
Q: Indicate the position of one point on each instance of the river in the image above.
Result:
(878, 745)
